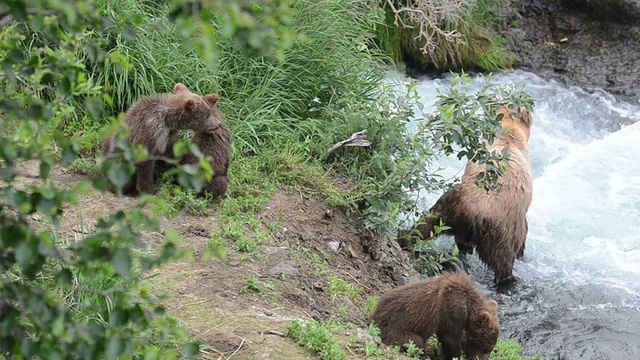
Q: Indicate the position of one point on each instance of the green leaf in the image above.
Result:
(151, 354)
(118, 174)
(118, 317)
(101, 184)
(122, 262)
(95, 108)
(29, 348)
(64, 86)
(45, 169)
(57, 328)
(68, 155)
(65, 277)
(190, 350)
(26, 252)
(115, 348)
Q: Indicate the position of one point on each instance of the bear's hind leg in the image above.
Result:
(145, 172)
(523, 240)
(499, 257)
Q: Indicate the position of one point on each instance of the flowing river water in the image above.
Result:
(578, 289)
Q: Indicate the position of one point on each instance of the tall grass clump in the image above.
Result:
(154, 50)
(326, 86)
(333, 67)
(322, 89)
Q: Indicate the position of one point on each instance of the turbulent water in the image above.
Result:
(578, 290)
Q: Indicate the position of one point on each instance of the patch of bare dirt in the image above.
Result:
(310, 247)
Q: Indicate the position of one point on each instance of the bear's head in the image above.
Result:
(195, 112)
(212, 101)
(516, 124)
(483, 331)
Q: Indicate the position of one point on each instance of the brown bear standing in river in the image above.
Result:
(450, 306)
(494, 223)
(214, 143)
(154, 122)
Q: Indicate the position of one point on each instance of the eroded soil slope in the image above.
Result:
(316, 263)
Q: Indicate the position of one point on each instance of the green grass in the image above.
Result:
(317, 337)
(88, 300)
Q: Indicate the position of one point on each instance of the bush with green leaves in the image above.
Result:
(461, 120)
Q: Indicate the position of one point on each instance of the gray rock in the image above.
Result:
(287, 267)
(334, 245)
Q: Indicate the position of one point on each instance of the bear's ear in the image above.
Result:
(211, 99)
(485, 318)
(525, 117)
(179, 87)
(189, 105)
(492, 305)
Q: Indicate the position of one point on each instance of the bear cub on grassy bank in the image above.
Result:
(154, 122)
(495, 224)
(216, 144)
(450, 306)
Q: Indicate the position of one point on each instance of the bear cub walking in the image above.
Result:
(450, 306)
(154, 122)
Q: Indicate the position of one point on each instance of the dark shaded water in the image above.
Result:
(578, 294)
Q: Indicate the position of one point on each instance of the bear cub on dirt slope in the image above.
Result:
(216, 144)
(154, 121)
(495, 224)
(450, 306)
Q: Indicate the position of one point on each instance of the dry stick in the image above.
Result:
(215, 327)
(216, 351)
(426, 23)
(356, 280)
(274, 332)
(357, 139)
(238, 349)
(351, 351)
(194, 303)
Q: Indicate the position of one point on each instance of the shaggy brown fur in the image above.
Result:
(154, 122)
(494, 223)
(450, 306)
(215, 143)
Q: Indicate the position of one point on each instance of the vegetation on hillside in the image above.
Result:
(294, 77)
(445, 36)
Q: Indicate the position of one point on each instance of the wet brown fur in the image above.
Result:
(217, 145)
(155, 122)
(450, 306)
(495, 224)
